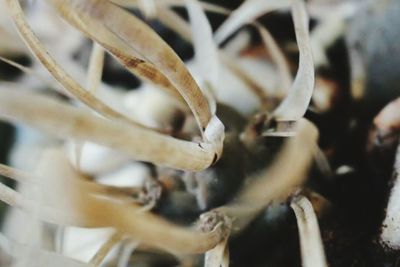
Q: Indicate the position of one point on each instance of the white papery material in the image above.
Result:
(150, 107)
(96, 159)
(133, 175)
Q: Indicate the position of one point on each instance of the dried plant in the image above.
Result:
(124, 163)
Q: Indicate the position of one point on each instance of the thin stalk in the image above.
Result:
(246, 13)
(105, 249)
(16, 200)
(209, 7)
(295, 105)
(206, 51)
(128, 247)
(153, 48)
(94, 76)
(122, 193)
(182, 27)
(278, 181)
(218, 256)
(120, 49)
(277, 56)
(54, 68)
(147, 43)
(75, 206)
(95, 69)
(65, 121)
(311, 246)
(26, 70)
(17, 175)
(254, 87)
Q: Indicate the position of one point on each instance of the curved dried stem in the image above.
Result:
(246, 13)
(275, 183)
(218, 256)
(210, 7)
(56, 70)
(295, 105)
(125, 194)
(206, 51)
(26, 70)
(312, 248)
(253, 86)
(75, 206)
(94, 77)
(179, 25)
(128, 247)
(70, 122)
(277, 56)
(15, 174)
(146, 42)
(120, 49)
(100, 255)
(149, 228)
(173, 21)
(182, 27)
(141, 38)
(95, 69)
(16, 200)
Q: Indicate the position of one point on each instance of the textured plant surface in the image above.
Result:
(190, 133)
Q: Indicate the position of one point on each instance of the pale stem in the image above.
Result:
(52, 66)
(66, 121)
(100, 255)
(311, 246)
